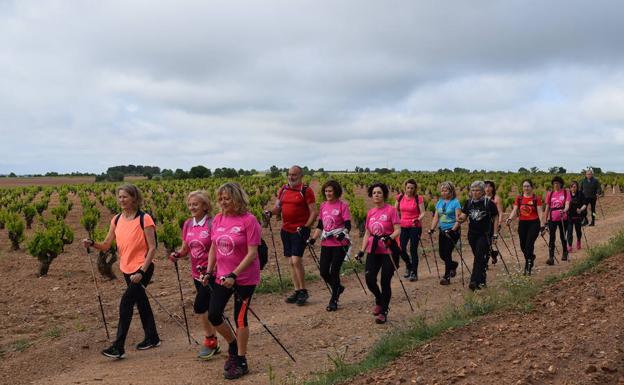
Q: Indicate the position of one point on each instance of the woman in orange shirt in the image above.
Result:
(134, 233)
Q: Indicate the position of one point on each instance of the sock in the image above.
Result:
(242, 360)
(233, 349)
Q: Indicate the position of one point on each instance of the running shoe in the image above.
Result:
(114, 352)
(332, 306)
(445, 281)
(381, 318)
(550, 261)
(413, 277)
(209, 348)
(293, 297)
(302, 297)
(377, 310)
(148, 344)
(578, 245)
(237, 370)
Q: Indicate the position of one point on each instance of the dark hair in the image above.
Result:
(574, 183)
(490, 183)
(557, 179)
(529, 181)
(383, 188)
(333, 184)
(410, 181)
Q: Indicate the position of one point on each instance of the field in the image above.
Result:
(52, 329)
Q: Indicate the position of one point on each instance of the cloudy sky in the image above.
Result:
(85, 85)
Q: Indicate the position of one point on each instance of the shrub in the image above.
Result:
(45, 246)
(15, 226)
(29, 214)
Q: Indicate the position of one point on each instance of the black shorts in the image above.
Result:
(221, 296)
(294, 244)
(202, 297)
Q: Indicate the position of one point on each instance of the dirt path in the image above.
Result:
(58, 315)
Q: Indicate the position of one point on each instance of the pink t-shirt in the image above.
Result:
(557, 202)
(231, 235)
(198, 240)
(381, 221)
(334, 216)
(410, 210)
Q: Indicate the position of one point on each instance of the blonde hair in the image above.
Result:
(202, 196)
(133, 191)
(450, 187)
(238, 195)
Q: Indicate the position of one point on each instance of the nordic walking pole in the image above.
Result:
(585, 236)
(396, 270)
(264, 326)
(168, 313)
(358, 276)
(316, 262)
(501, 257)
(424, 254)
(97, 292)
(513, 242)
(548, 246)
(435, 258)
(508, 249)
(279, 272)
(188, 333)
(601, 210)
(461, 256)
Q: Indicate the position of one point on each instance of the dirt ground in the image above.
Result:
(52, 331)
(53, 180)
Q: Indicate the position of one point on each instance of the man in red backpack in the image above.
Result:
(297, 204)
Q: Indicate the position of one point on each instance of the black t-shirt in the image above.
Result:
(481, 214)
(576, 202)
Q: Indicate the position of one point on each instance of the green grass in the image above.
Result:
(21, 345)
(514, 293)
(53, 332)
(270, 283)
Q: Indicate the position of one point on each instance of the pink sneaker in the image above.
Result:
(570, 249)
(381, 318)
(377, 310)
(578, 245)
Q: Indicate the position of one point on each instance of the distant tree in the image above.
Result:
(383, 170)
(180, 174)
(199, 172)
(460, 170)
(442, 170)
(534, 170)
(597, 170)
(367, 169)
(12, 175)
(523, 170)
(167, 174)
(274, 172)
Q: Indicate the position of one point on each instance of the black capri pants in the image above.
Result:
(220, 297)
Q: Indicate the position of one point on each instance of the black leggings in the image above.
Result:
(331, 261)
(574, 224)
(374, 263)
(528, 231)
(446, 246)
(220, 297)
(135, 294)
(411, 235)
(552, 229)
(480, 248)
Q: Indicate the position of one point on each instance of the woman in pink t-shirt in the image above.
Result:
(333, 228)
(557, 206)
(382, 229)
(196, 242)
(233, 260)
(411, 209)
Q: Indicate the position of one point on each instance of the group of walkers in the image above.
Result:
(223, 250)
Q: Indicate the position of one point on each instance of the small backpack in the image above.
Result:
(263, 253)
(141, 215)
(287, 187)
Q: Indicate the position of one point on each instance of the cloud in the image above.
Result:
(418, 85)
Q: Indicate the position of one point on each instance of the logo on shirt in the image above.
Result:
(225, 244)
(335, 212)
(377, 228)
(328, 223)
(220, 229)
(204, 234)
(383, 217)
(477, 215)
(235, 230)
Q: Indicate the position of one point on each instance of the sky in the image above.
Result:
(421, 85)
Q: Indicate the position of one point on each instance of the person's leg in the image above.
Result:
(414, 236)
(404, 256)
(552, 228)
(219, 299)
(445, 248)
(482, 246)
(200, 307)
(126, 309)
(325, 263)
(387, 271)
(523, 232)
(533, 229)
(579, 233)
(373, 265)
(298, 248)
(592, 204)
(145, 310)
(242, 301)
(562, 237)
(569, 234)
(337, 259)
(475, 277)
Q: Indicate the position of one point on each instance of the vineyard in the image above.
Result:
(39, 226)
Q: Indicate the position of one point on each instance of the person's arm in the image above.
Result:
(365, 240)
(513, 213)
(421, 208)
(313, 214)
(317, 231)
(252, 254)
(397, 231)
(104, 246)
(434, 221)
(583, 202)
(499, 214)
(150, 237)
(460, 218)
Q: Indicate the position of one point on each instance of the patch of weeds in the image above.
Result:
(80, 327)
(21, 345)
(54, 332)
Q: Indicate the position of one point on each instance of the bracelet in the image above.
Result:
(140, 271)
(231, 275)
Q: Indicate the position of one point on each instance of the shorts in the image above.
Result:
(294, 244)
(202, 297)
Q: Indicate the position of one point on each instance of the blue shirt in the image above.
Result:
(446, 213)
